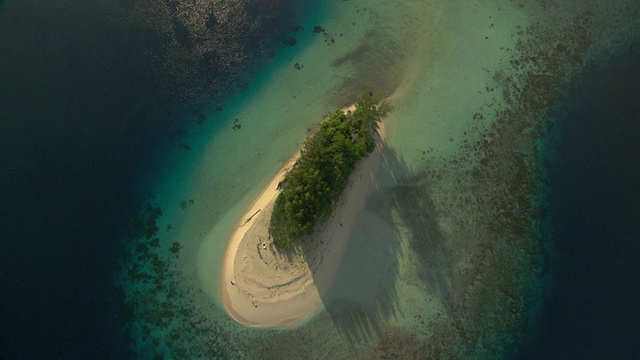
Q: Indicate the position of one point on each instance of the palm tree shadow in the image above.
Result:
(364, 295)
(417, 217)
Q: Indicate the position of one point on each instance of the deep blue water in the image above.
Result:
(592, 308)
(91, 94)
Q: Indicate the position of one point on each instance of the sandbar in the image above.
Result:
(263, 286)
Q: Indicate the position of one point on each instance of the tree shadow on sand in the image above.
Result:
(365, 295)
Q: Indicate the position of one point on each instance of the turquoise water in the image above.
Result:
(448, 258)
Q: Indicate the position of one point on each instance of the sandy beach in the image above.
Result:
(263, 286)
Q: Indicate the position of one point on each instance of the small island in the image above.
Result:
(289, 245)
(321, 173)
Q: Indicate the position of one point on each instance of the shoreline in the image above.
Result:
(263, 286)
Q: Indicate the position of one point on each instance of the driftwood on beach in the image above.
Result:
(250, 217)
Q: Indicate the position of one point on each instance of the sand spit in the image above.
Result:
(266, 287)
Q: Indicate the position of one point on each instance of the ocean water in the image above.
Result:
(593, 205)
(94, 95)
(137, 133)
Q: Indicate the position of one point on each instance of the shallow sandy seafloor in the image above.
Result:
(447, 258)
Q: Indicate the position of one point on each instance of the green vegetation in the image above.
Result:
(322, 171)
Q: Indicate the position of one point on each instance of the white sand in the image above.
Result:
(265, 287)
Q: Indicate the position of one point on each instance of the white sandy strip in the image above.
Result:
(263, 287)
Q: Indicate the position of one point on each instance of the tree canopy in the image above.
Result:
(321, 173)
